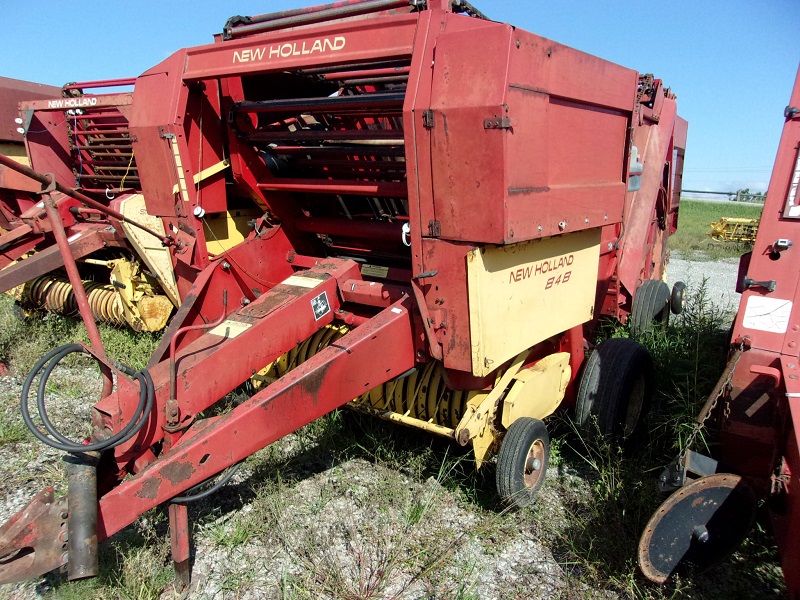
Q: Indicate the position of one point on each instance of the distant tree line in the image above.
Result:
(745, 195)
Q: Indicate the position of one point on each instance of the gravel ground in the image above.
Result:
(719, 277)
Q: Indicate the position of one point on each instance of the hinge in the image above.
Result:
(497, 123)
(434, 229)
(427, 119)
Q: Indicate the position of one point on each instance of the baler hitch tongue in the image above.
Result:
(34, 541)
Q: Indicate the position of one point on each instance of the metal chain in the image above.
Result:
(718, 392)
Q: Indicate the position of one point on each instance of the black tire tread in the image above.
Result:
(676, 297)
(511, 460)
(650, 305)
(603, 388)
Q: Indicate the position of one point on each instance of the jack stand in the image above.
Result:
(82, 519)
(179, 534)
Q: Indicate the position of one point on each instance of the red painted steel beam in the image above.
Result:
(12, 180)
(14, 235)
(213, 364)
(78, 290)
(385, 72)
(88, 240)
(329, 186)
(381, 64)
(386, 136)
(83, 102)
(371, 166)
(340, 149)
(373, 101)
(370, 355)
(80, 85)
(72, 193)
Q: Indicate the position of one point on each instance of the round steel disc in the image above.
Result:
(697, 527)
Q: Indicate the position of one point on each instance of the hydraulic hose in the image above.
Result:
(56, 439)
(193, 494)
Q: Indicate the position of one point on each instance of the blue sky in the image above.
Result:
(732, 64)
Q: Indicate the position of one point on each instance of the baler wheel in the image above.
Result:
(651, 306)
(522, 461)
(677, 301)
(615, 388)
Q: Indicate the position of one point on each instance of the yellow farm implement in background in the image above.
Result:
(734, 230)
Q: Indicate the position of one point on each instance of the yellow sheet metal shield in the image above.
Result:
(524, 293)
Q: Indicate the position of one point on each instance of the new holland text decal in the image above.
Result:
(318, 46)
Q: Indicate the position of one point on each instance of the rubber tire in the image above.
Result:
(678, 298)
(616, 370)
(511, 461)
(650, 306)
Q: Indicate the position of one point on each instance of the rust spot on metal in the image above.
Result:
(150, 488)
(178, 471)
(261, 308)
(528, 190)
(312, 382)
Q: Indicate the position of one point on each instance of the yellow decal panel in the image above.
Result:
(230, 328)
(300, 281)
(524, 293)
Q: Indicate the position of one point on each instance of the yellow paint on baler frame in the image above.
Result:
(226, 230)
(538, 390)
(522, 294)
(153, 253)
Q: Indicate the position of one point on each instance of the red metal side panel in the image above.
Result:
(203, 131)
(469, 86)
(417, 143)
(771, 319)
(786, 518)
(47, 145)
(158, 111)
(566, 151)
(643, 240)
(529, 137)
(12, 92)
(768, 322)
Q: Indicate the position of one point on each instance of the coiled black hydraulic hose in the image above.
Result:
(45, 365)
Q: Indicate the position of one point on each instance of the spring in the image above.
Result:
(55, 294)
(422, 394)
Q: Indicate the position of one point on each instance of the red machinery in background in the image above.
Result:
(434, 228)
(756, 403)
(16, 189)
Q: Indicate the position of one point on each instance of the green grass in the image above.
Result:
(603, 535)
(24, 340)
(694, 222)
(12, 429)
